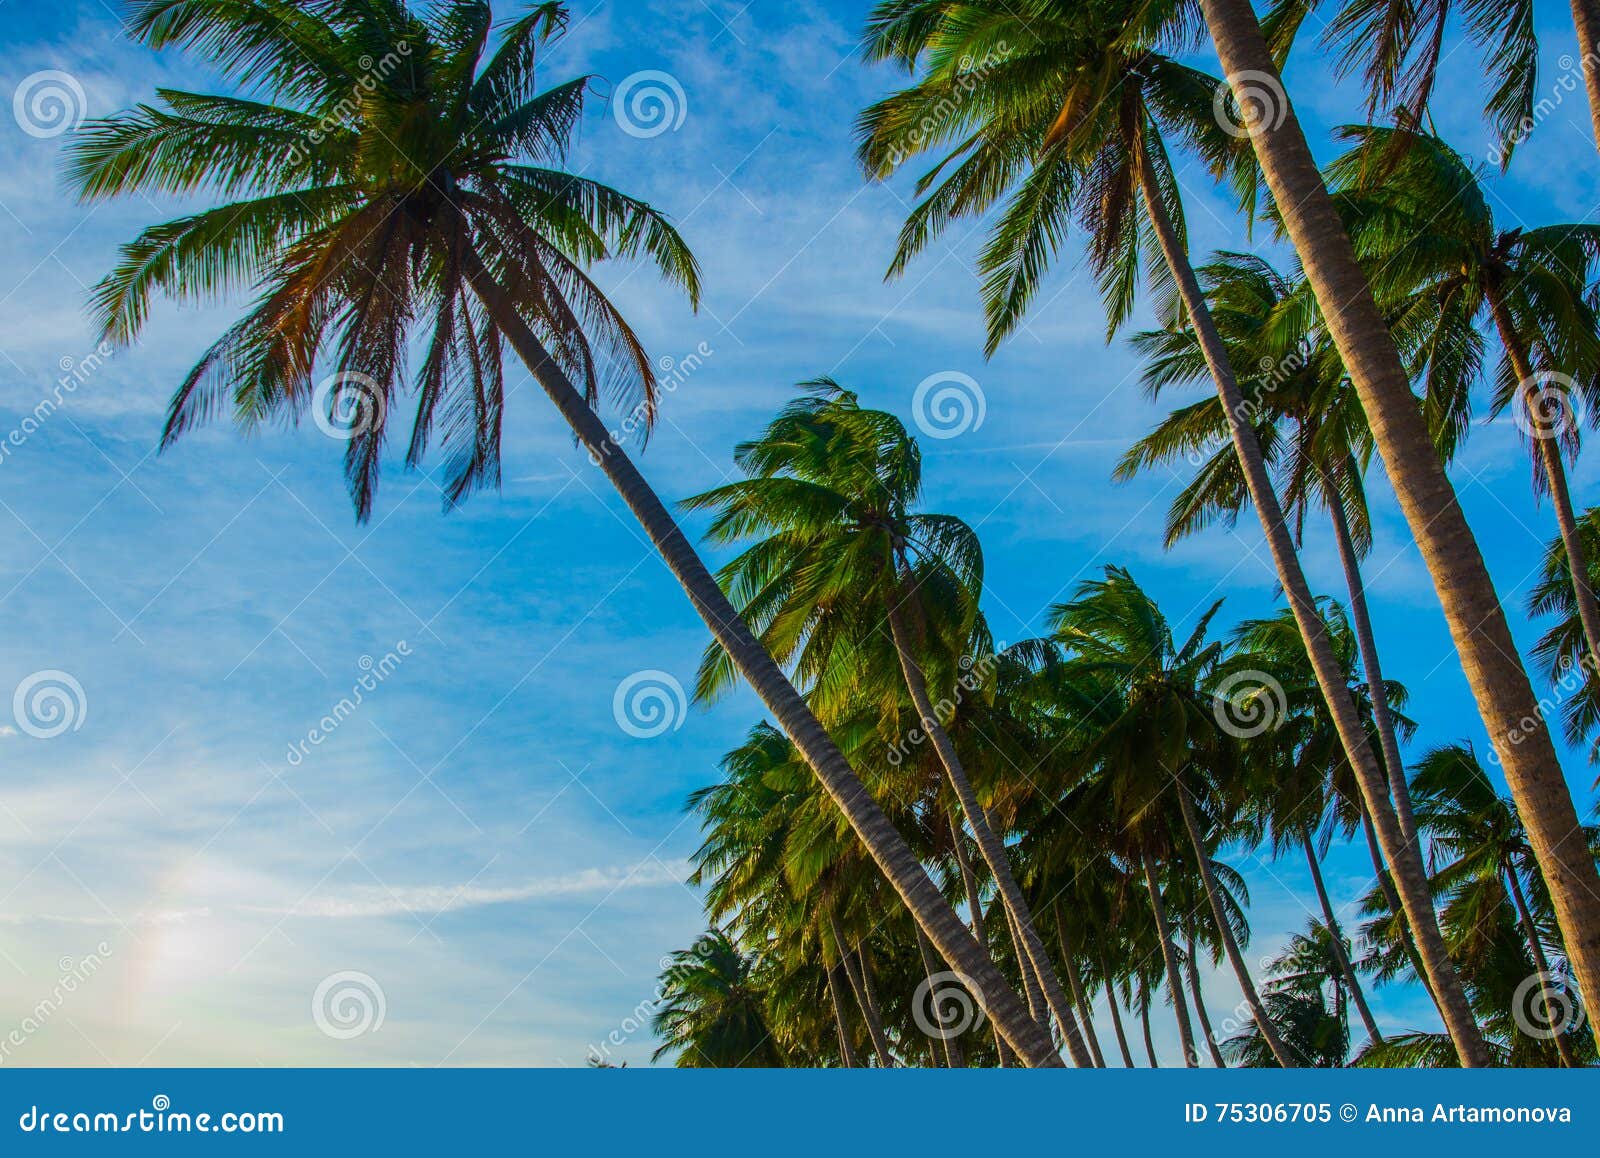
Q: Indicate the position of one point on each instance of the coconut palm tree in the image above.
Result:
(1425, 226)
(390, 173)
(712, 1014)
(1307, 999)
(839, 552)
(1563, 649)
(1471, 605)
(1071, 118)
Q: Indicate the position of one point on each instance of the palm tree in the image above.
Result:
(1472, 608)
(379, 201)
(712, 1014)
(1425, 226)
(1562, 650)
(1308, 1002)
(828, 496)
(1098, 150)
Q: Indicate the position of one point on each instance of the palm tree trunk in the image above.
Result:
(1329, 672)
(1169, 958)
(1339, 954)
(1367, 645)
(1472, 608)
(1540, 961)
(1149, 1044)
(1547, 451)
(1586, 18)
(930, 968)
(1030, 978)
(855, 968)
(880, 838)
(1116, 1014)
(969, 879)
(1225, 931)
(1070, 962)
(1200, 1006)
(847, 1051)
(1031, 949)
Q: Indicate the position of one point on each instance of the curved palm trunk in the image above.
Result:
(1367, 645)
(1030, 977)
(1407, 860)
(1586, 19)
(1339, 954)
(883, 843)
(847, 1050)
(1149, 1043)
(1477, 621)
(1547, 453)
(1169, 958)
(855, 967)
(1031, 949)
(1229, 943)
(930, 967)
(1079, 997)
(1116, 1014)
(1541, 962)
(1200, 1006)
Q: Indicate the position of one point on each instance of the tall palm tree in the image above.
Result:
(1472, 608)
(712, 1013)
(412, 192)
(1424, 224)
(839, 551)
(1308, 1001)
(1562, 650)
(1071, 119)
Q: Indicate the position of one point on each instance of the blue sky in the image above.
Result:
(480, 838)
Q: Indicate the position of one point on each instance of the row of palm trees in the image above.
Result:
(1076, 791)
(439, 214)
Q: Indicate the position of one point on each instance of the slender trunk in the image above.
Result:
(1031, 949)
(1200, 1005)
(1229, 944)
(880, 838)
(1547, 453)
(1586, 19)
(1367, 645)
(1343, 958)
(1540, 961)
(1030, 978)
(1116, 1014)
(930, 968)
(969, 882)
(847, 1051)
(1319, 648)
(1149, 1043)
(1069, 962)
(1169, 958)
(1472, 608)
(874, 1010)
(854, 969)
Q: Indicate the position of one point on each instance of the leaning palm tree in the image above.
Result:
(1477, 621)
(838, 552)
(396, 173)
(1072, 119)
(1425, 226)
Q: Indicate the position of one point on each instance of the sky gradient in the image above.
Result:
(482, 838)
